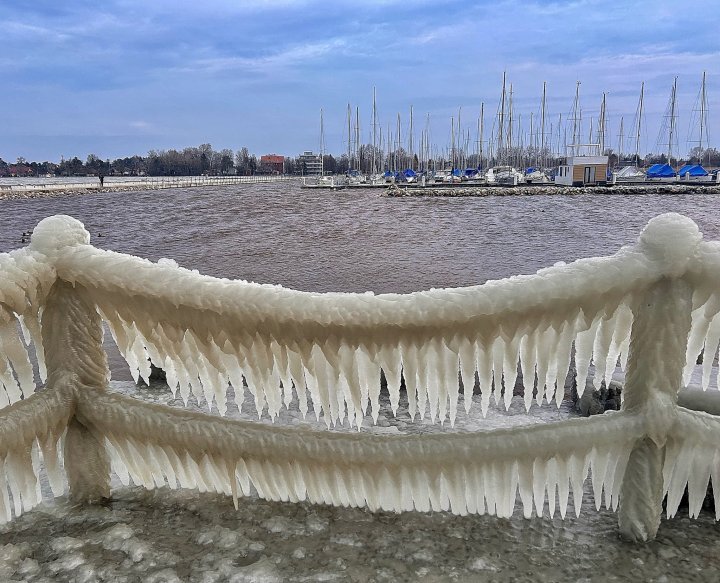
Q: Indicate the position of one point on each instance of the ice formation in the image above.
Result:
(653, 306)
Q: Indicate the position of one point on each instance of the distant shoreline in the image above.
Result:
(20, 191)
(57, 193)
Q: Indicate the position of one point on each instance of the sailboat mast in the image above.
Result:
(639, 123)
(501, 125)
(703, 114)
(349, 135)
(531, 142)
(357, 137)
(601, 126)
(459, 139)
(510, 122)
(410, 141)
(576, 129)
(452, 143)
(428, 153)
(398, 143)
(381, 148)
(671, 133)
(559, 146)
(482, 128)
(374, 135)
(621, 139)
(322, 144)
(542, 128)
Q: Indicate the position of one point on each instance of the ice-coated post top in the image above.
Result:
(54, 233)
(670, 240)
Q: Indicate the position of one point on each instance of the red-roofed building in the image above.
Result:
(272, 163)
(20, 170)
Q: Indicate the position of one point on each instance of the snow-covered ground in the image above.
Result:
(167, 535)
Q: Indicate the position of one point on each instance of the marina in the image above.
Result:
(574, 152)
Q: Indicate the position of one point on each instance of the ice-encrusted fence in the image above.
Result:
(654, 306)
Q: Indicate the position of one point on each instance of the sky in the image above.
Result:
(122, 77)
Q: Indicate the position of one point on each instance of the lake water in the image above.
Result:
(356, 240)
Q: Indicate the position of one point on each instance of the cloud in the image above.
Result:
(304, 54)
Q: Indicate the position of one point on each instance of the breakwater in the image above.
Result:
(70, 187)
(461, 191)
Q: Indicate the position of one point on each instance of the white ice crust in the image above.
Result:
(209, 334)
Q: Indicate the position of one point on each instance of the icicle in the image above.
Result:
(583, 354)
(268, 380)
(563, 484)
(440, 360)
(711, 345)
(551, 476)
(298, 378)
(577, 467)
(14, 351)
(32, 323)
(510, 367)
(468, 360)
(242, 475)
(117, 466)
(483, 353)
(410, 365)
(563, 358)
(498, 357)
(5, 511)
(421, 376)
(601, 349)
(698, 478)
(546, 341)
(696, 340)
(525, 483)
(527, 363)
(715, 477)
(623, 320)
(598, 460)
(539, 480)
(317, 375)
(678, 478)
(391, 364)
(51, 460)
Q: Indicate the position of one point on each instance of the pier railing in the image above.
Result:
(653, 306)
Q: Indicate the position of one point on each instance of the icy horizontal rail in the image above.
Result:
(207, 333)
(582, 283)
(462, 472)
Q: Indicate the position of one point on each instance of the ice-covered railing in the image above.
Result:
(653, 306)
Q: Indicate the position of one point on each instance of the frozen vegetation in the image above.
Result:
(652, 307)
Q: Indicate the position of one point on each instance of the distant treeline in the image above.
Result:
(192, 161)
(203, 159)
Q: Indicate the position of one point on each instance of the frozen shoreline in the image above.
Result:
(66, 188)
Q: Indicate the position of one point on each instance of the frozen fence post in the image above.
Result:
(76, 362)
(658, 344)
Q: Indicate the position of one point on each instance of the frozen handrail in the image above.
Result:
(640, 305)
(334, 345)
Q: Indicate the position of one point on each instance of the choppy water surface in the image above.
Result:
(355, 240)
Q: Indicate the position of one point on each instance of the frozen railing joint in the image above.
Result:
(652, 306)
